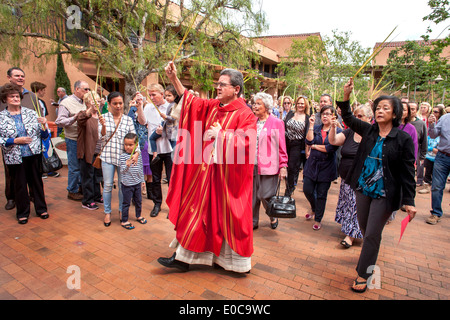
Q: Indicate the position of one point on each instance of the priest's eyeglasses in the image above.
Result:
(223, 85)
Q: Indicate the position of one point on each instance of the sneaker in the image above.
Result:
(425, 190)
(53, 174)
(75, 196)
(91, 206)
(44, 176)
(433, 219)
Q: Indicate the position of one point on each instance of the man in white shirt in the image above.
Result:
(150, 116)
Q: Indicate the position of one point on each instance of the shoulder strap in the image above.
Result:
(112, 134)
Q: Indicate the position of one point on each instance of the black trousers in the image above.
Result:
(296, 159)
(316, 193)
(91, 178)
(372, 217)
(428, 164)
(27, 177)
(9, 183)
(157, 168)
(131, 193)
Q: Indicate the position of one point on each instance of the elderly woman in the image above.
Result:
(320, 168)
(88, 147)
(271, 157)
(117, 125)
(296, 126)
(21, 132)
(382, 175)
(346, 207)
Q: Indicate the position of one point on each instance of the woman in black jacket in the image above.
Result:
(382, 175)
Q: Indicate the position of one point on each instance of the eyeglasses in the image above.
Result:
(287, 103)
(359, 116)
(86, 89)
(435, 111)
(327, 114)
(222, 85)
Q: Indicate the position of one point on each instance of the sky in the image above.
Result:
(368, 21)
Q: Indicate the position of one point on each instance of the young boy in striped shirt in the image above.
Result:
(132, 178)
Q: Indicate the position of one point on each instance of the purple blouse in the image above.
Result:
(409, 128)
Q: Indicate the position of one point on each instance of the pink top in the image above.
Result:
(272, 153)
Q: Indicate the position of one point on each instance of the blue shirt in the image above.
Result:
(21, 132)
(442, 130)
(371, 181)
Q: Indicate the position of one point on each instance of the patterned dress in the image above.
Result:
(346, 207)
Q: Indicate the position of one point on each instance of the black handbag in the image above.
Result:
(281, 206)
(52, 163)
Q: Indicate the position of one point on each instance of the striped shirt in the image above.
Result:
(133, 174)
(295, 130)
(114, 148)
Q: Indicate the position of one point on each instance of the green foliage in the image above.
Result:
(61, 78)
(417, 65)
(132, 39)
(315, 66)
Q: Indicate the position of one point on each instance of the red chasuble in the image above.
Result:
(210, 193)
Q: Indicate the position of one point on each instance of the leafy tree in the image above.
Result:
(315, 66)
(416, 64)
(132, 38)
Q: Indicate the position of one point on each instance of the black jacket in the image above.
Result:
(398, 159)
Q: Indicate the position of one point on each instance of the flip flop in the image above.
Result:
(357, 283)
(127, 226)
(345, 244)
(142, 220)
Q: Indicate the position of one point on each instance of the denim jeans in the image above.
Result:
(108, 182)
(73, 176)
(441, 170)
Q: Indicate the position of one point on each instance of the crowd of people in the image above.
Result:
(382, 151)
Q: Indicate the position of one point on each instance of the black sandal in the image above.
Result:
(274, 225)
(357, 283)
(345, 244)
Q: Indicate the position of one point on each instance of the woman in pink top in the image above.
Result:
(271, 156)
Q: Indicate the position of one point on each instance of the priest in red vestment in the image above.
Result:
(210, 193)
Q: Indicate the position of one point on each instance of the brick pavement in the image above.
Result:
(293, 262)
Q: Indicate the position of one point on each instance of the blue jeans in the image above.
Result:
(441, 170)
(73, 176)
(108, 182)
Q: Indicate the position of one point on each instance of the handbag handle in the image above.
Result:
(278, 187)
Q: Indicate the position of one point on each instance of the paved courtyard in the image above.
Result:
(41, 259)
